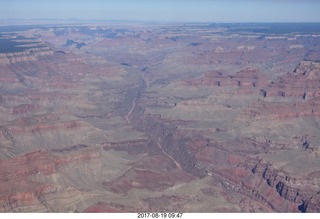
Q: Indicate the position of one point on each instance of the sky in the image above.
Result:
(165, 10)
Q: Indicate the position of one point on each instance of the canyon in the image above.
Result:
(131, 117)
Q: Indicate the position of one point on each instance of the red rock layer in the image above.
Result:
(16, 187)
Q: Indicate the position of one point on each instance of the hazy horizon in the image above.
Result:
(165, 10)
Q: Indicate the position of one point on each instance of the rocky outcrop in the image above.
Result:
(14, 175)
(132, 147)
(18, 131)
(252, 187)
(302, 84)
(287, 188)
(24, 108)
(18, 189)
(28, 55)
(246, 81)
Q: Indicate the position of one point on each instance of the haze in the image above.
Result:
(165, 10)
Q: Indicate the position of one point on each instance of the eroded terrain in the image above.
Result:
(183, 118)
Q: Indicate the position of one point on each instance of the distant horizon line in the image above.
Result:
(155, 21)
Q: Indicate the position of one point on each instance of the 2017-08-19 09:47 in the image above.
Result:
(159, 215)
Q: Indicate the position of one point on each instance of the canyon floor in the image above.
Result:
(119, 117)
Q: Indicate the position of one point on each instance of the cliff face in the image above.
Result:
(300, 84)
(301, 197)
(26, 56)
